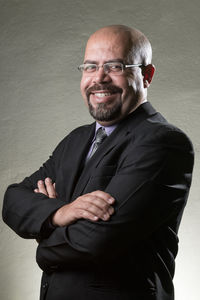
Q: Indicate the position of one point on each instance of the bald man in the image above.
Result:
(105, 208)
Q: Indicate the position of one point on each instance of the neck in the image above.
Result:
(115, 121)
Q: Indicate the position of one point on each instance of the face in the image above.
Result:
(111, 97)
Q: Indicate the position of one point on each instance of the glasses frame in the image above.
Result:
(124, 66)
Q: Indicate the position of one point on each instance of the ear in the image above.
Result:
(148, 72)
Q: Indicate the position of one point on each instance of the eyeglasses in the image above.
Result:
(113, 68)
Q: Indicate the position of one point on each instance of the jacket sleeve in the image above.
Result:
(150, 186)
(25, 211)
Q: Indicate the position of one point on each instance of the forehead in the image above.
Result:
(107, 46)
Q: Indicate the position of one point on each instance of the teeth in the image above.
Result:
(102, 94)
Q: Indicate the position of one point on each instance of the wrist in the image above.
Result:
(54, 220)
(62, 217)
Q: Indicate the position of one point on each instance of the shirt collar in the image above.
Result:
(108, 129)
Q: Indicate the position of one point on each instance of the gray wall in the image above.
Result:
(41, 43)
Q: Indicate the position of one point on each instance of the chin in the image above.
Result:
(102, 112)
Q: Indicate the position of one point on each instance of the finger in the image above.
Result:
(105, 196)
(54, 185)
(93, 209)
(36, 190)
(96, 211)
(102, 205)
(95, 201)
(87, 215)
(42, 188)
(50, 188)
(111, 210)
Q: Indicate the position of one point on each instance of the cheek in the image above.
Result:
(127, 85)
(121, 82)
(135, 84)
(131, 81)
(83, 85)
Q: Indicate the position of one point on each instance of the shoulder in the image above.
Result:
(156, 129)
(81, 130)
(74, 134)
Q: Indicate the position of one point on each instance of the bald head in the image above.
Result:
(135, 43)
(113, 82)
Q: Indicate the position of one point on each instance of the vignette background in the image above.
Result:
(41, 44)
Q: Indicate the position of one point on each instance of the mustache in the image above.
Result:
(107, 87)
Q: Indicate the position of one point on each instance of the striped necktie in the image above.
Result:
(100, 136)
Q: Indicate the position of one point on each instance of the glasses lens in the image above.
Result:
(114, 68)
(88, 68)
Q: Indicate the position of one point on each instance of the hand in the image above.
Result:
(47, 189)
(92, 206)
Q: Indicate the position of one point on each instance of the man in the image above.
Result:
(106, 207)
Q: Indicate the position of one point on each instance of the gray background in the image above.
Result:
(41, 43)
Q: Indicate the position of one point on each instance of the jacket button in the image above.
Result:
(45, 285)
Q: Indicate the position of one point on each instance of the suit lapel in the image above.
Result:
(125, 127)
(77, 152)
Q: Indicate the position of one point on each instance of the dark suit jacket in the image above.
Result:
(146, 165)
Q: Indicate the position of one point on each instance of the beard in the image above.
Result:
(105, 111)
(102, 111)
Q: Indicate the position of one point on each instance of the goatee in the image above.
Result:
(102, 111)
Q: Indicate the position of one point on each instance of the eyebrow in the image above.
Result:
(108, 61)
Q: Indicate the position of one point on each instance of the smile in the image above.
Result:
(101, 95)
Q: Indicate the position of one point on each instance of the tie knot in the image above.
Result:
(100, 135)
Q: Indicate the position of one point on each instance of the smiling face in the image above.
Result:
(111, 97)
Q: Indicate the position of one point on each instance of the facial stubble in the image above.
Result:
(105, 111)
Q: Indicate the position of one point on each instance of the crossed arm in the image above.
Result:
(92, 206)
(153, 192)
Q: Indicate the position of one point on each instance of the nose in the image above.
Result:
(101, 77)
